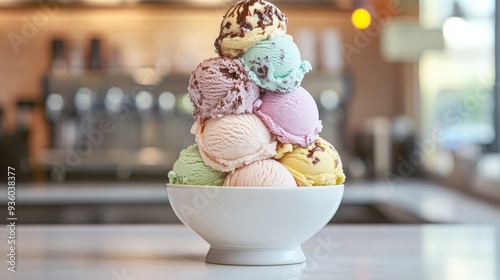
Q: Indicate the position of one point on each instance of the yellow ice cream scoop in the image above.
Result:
(319, 164)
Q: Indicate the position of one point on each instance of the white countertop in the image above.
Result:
(145, 252)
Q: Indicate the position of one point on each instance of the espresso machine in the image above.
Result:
(109, 126)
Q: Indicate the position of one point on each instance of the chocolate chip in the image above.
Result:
(316, 148)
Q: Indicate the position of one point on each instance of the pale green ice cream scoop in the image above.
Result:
(190, 169)
(275, 64)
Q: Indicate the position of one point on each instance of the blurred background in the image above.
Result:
(94, 108)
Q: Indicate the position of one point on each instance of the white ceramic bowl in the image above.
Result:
(255, 225)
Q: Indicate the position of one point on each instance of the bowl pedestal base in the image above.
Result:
(256, 256)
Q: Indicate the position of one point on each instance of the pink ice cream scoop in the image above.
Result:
(262, 173)
(220, 86)
(292, 117)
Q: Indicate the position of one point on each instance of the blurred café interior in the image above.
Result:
(94, 108)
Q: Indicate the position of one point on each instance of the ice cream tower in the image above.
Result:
(254, 123)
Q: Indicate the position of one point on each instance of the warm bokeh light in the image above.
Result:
(361, 18)
(454, 29)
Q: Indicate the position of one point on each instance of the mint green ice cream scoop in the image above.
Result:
(276, 64)
(190, 169)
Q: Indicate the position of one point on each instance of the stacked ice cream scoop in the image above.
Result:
(254, 124)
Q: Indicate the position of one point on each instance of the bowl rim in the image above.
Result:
(299, 188)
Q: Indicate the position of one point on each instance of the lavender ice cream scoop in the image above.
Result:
(220, 86)
(292, 117)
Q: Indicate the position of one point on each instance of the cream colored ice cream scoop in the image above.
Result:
(233, 141)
